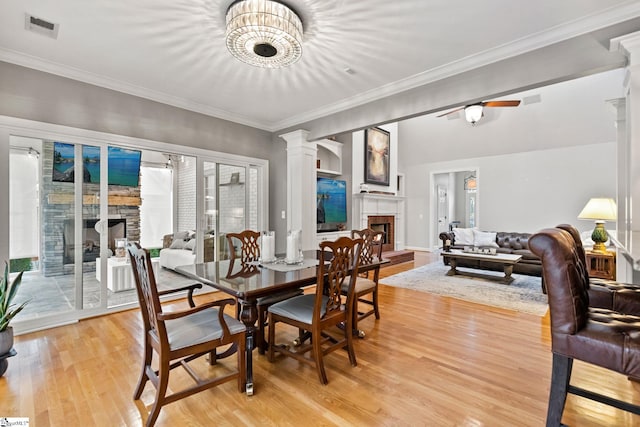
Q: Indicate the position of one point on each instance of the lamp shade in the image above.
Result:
(600, 209)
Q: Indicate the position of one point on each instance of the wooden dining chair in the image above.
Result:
(181, 336)
(249, 251)
(323, 312)
(368, 281)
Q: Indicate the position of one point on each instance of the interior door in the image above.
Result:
(442, 208)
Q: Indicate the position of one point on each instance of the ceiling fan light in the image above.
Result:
(473, 113)
(264, 33)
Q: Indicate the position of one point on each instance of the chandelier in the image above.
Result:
(264, 33)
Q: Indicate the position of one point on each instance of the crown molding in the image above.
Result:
(539, 40)
(51, 67)
(614, 15)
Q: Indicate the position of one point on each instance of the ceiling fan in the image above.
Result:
(474, 112)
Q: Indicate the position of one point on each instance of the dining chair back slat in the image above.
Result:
(320, 314)
(181, 336)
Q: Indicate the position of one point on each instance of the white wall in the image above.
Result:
(521, 192)
(357, 166)
(537, 164)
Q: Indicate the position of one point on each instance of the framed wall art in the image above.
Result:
(376, 156)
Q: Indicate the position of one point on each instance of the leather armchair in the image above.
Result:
(603, 293)
(599, 336)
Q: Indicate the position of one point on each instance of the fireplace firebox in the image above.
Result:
(117, 229)
(384, 223)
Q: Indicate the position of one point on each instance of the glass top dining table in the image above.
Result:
(249, 282)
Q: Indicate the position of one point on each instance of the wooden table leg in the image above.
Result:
(453, 263)
(248, 316)
(508, 269)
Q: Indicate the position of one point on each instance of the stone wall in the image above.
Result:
(58, 205)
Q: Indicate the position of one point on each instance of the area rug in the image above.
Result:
(523, 294)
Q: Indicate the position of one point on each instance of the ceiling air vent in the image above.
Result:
(40, 26)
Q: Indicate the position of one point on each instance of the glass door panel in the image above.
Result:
(88, 292)
(54, 282)
(232, 201)
(211, 244)
(230, 204)
(122, 222)
(25, 243)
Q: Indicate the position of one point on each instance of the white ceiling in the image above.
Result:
(173, 51)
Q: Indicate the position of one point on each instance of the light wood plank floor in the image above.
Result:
(429, 360)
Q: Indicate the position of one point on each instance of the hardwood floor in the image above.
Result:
(429, 360)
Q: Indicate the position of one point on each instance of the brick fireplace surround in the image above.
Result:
(382, 209)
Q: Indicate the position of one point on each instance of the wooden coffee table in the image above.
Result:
(506, 260)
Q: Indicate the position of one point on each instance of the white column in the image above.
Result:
(624, 167)
(301, 186)
(630, 46)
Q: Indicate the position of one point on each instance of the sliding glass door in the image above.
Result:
(53, 231)
(230, 203)
(76, 199)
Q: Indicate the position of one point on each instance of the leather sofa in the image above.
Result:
(507, 243)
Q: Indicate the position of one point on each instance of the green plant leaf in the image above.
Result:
(8, 291)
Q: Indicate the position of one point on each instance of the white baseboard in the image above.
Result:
(417, 248)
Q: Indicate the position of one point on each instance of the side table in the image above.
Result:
(601, 264)
(120, 275)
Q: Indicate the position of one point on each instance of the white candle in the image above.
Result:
(268, 246)
(291, 248)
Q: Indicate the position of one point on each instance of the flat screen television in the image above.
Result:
(124, 164)
(331, 203)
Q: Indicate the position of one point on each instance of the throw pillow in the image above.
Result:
(177, 244)
(181, 235)
(190, 245)
(463, 236)
(484, 239)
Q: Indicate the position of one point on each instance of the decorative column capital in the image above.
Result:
(296, 137)
(629, 45)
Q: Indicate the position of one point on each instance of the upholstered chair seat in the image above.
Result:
(249, 252)
(199, 328)
(280, 296)
(180, 337)
(363, 285)
(299, 308)
(366, 288)
(326, 316)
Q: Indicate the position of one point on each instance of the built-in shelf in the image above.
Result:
(329, 157)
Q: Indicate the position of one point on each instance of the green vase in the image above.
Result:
(599, 236)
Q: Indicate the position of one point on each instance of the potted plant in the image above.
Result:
(8, 311)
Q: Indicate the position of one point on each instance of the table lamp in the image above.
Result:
(600, 210)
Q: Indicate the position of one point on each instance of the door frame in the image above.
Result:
(12, 126)
(433, 237)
